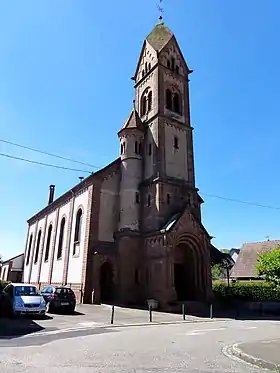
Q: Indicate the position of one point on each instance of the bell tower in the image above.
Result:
(162, 102)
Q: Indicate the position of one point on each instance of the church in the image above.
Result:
(132, 231)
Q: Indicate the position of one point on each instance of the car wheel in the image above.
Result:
(49, 307)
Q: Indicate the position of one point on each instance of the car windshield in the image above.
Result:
(26, 290)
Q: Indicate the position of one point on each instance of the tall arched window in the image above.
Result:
(47, 252)
(78, 226)
(61, 237)
(168, 99)
(37, 247)
(176, 103)
(146, 101)
(29, 249)
(150, 97)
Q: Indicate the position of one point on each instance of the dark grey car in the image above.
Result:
(59, 298)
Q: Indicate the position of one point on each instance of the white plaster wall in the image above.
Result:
(176, 159)
(4, 272)
(151, 137)
(76, 263)
(18, 263)
(45, 268)
(58, 264)
(108, 215)
(27, 268)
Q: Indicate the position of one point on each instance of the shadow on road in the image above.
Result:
(11, 328)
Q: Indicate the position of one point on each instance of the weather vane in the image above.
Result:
(160, 9)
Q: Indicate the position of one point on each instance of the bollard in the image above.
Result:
(184, 311)
(112, 314)
(211, 311)
(150, 312)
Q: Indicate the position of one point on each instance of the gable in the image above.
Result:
(148, 58)
(173, 51)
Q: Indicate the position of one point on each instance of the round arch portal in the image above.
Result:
(106, 282)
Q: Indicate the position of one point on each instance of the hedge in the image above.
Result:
(261, 291)
(3, 284)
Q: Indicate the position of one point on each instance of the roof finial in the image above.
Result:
(160, 9)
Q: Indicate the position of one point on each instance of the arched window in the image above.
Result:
(139, 148)
(121, 148)
(37, 247)
(146, 101)
(61, 237)
(168, 99)
(149, 200)
(176, 103)
(150, 66)
(124, 147)
(47, 252)
(143, 73)
(150, 97)
(78, 226)
(146, 67)
(29, 249)
(136, 147)
(177, 69)
(168, 64)
(143, 105)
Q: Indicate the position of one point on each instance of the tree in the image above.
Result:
(225, 251)
(217, 272)
(268, 266)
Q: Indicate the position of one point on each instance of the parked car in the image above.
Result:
(59, 298)
(23, 299)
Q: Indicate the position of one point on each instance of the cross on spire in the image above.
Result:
(160, 9)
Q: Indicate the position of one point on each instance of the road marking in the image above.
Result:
(203, 331)
(89, 323)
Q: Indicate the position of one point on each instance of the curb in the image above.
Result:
(260, 363)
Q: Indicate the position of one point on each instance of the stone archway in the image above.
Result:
(106, 282)
(188, 271)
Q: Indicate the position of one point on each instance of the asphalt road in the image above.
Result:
(189, 347)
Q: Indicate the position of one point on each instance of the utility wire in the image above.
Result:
(50, 154)
(89, 172)
(240, 201)
(43, 164)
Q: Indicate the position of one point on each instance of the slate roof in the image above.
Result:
(159, 36)
(247, 258)
(133, 122)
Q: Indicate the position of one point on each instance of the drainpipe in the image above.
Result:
(70, 236)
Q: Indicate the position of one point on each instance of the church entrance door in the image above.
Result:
(106, 282)
(185, 267)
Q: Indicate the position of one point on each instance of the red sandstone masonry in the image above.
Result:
(42, 250)
(53, 246)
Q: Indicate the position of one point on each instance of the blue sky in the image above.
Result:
(65, 88)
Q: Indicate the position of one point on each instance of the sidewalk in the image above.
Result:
(265, 354)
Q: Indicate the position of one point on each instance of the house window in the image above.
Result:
(78, 226)
(150, 149)
(29, 249)
(176, 142)
(36, 257)
(137, 198)
(47, 252)
(61, 237)
(149, 200)
(168, 198)
(168, 99)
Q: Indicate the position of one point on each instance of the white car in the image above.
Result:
(23, 299)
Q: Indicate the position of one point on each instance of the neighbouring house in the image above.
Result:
(12, 269)
(234, 254)
(133, 230)
(244, 268)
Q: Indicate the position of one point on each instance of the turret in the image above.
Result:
(131, 143)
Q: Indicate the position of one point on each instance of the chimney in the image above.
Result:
(51, 194)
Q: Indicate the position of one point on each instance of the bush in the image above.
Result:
(250, 292)
(3, 284)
